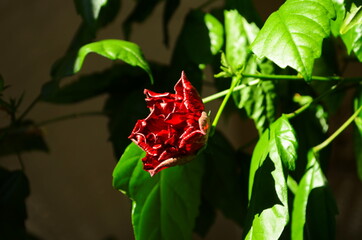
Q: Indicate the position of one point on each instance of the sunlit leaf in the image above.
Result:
(353, 18)
(115, 50)
(216, 33)
(239, 35)
(353, 41)
(313, 181)
(293, 35)
(284, 144)
(268, 194)
(177, 188)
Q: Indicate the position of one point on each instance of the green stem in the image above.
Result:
(336, 133)
(295, 77)
(69, 116)
(307, 105)
(225, 92)
(32, 104)
(223, 104)
(292, 184)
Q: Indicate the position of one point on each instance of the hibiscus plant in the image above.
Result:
(286, 75)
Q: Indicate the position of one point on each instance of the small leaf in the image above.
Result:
(115, 50)
(216, 33)
(293, 35)
(239, 35)
(284, 144)
(313, 179)
(340, 14)
(177, 188)
(353, 41)
(353, 18)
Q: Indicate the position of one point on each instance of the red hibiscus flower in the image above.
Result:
(175, 129)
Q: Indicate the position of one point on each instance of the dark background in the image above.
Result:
(71, 187)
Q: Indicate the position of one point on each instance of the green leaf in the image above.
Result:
(353, 18)
(21, 138)
(283, 142)
(259, 104)
(222, 186)
(142, 10)
(216, 33)
(293, 35)
(14, 188)
(177, 188)
(268, 194)
(353, 41)
(239, 35)
(86, 33)
(115, 50)
(313, 180)
(340, 8)
(358, 132)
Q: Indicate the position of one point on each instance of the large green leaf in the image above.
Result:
(293, 35)
(115, 50)
(268, 194)
(164, 206)
(283, 142)
(313, 181)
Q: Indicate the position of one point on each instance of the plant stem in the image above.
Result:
(225, 92)
(32, 104)
(337, 132)
(295, 77)
(69, 116)
(223, 104)
(292, 184)
(307, 105)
